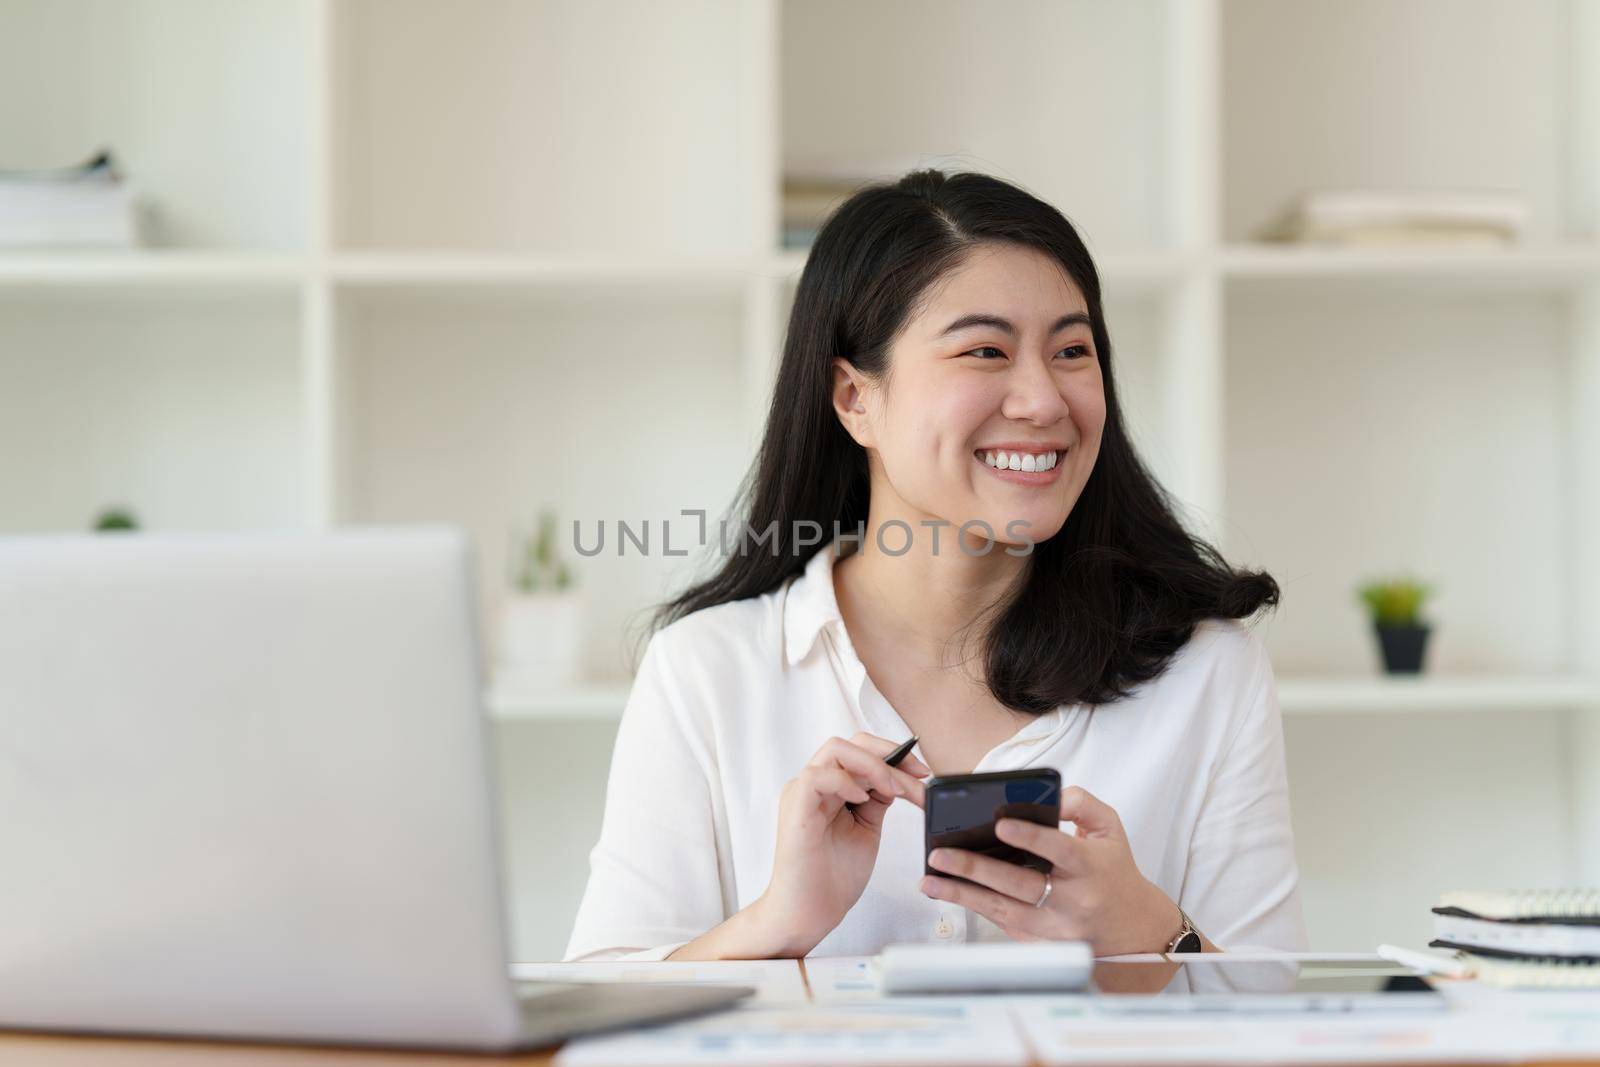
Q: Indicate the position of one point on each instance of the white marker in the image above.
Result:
(1426, 962)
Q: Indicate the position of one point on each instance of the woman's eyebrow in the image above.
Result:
(995, 322)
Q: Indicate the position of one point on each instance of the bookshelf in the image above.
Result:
(1305, 695)
(446, 262)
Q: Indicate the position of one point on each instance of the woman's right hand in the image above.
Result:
(830, 819)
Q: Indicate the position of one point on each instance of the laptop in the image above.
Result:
(245, 793)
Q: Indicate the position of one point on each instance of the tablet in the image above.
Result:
(1217, 984)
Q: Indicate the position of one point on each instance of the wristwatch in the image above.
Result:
(1188, 939)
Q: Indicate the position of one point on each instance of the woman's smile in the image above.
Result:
(1031, 466)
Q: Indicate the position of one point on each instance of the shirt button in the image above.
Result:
(943, 929)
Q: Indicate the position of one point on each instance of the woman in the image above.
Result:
(1003, 579)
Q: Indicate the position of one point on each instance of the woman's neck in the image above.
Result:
(924, 600)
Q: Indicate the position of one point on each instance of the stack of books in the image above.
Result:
(1526, 938)
(1401, 216)
(86, 206)
(813, 190)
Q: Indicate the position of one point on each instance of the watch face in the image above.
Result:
(1189, 942)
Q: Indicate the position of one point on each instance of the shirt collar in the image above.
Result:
(810, 605)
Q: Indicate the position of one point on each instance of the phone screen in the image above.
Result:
(961, 812)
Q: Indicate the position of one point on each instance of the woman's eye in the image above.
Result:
(1073, 352)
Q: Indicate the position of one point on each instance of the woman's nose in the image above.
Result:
(1034, 394)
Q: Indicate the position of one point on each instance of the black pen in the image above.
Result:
(901, 751)
(893, 759)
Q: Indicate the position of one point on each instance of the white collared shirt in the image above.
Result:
(731, 701)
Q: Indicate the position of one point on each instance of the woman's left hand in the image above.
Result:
(1096, 891)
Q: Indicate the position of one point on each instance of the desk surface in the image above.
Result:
(32, 1049)
(49, 1050)
(40, 1050)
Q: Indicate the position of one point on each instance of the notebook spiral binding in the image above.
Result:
(1543, 973)
(1530, 903)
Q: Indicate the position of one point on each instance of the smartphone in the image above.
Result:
(961, 809)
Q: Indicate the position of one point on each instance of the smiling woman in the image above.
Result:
(947, 375)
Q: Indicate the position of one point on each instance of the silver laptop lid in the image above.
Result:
(245, 789)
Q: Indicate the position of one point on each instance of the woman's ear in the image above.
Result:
(850, 391)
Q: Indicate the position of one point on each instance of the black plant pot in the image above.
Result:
(1403, 647)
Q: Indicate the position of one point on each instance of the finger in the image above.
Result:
(875, 749)
(1011, 879)
(864, 766)
(1005, 912)
(836, 752)
(871, 770)
(834, 782)
(1088, 812)
(882, 747)
(871, 814)
(911, 787)
(914, 791)
(1046, 842)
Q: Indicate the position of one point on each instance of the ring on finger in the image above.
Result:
(1044, 896)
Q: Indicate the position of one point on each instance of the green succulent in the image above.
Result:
(1396, 601)
(538, 567)
(115, 519)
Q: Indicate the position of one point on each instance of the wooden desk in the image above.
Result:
(41, 1050)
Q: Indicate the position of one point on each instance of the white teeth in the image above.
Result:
(1021, 461)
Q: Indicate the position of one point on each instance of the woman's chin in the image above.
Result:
(1022, 529)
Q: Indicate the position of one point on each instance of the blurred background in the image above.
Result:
(516, 264)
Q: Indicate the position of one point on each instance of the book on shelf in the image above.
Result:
(85, 206)
(813, 189)
(1401, 216)
(1524, 938)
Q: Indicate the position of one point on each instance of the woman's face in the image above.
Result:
(993, 406)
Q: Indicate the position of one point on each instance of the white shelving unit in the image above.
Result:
(1296, 696)
(425, 261)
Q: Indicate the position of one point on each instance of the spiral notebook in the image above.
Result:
(1524, 938)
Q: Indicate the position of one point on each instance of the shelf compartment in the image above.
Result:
(1388, 432)
(1375, 94)
(186, 409)
(477, 406)
(1389, 809)
(947, 83)
(559, 126)
(203, 105)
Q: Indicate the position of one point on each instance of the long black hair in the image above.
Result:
(1100, 607)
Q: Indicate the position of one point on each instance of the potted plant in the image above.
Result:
(115, 520)
(1395, 606)
(542, 615)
